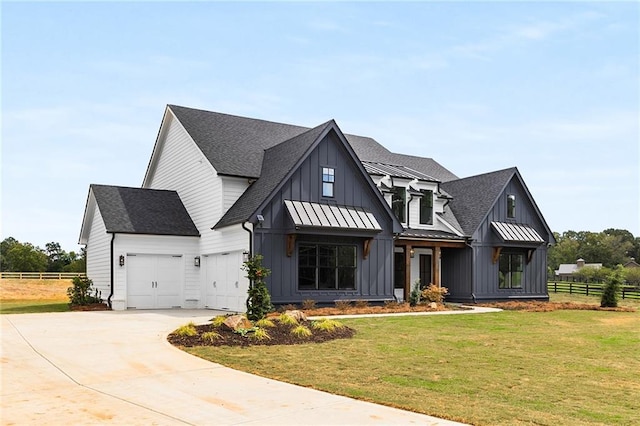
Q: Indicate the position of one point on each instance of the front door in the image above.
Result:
(425, 270)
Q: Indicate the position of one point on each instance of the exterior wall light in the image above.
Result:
(245, 256)
(412, 253)
(196, 261)
(121, 260)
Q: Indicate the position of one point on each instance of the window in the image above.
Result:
(426, 207)
(326, 267)
(511, 270)
(328, 179)
(399, 203)
(511, 206)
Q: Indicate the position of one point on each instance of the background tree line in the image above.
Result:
(25, 257)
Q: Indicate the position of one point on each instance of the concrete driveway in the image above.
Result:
(117, 367)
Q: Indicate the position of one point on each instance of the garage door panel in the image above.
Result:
(229, 292)
(154, 281)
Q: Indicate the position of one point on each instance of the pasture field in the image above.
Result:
(32, 295)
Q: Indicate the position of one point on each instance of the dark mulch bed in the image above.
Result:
(280, 335)
(90, 307)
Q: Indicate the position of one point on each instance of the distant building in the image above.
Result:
(632, 264)
(567, 269)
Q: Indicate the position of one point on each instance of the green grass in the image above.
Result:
(515, 368)
(595, 300)
(32, 306)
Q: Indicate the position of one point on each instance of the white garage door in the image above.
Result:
(154, 281)
(226, 284)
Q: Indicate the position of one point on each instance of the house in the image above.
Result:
(566, 270)
(335, 216)
(631, 264)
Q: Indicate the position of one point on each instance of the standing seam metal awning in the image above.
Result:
(513, 232)
(315, 215)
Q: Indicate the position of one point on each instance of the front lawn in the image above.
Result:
(548, 368)
(32, 306)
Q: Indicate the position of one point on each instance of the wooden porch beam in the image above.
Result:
(435, 261)
(407, 272)
(291, 244)
(367, 248)
(496, 254)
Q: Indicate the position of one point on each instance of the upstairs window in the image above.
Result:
(399, 203)
(328, 180)
(511, 206)
(426, 207)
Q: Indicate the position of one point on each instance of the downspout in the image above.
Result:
(473, 294)
(250, 238)
(113, 237)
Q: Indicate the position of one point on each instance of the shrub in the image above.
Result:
(414, 297)
(217, 321)
(361, 304)
(287, 319)
(260, 334)
(343, 305)
(187, 330)
(326, 324)
(308, 304)
(391, 304)
(301, 331)
(210, 336)
(433, 293)
(259, 299)
(611, 288)
(288, 307)
(83, 293)
(265, 323)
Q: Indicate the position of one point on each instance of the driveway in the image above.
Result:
(118, 368)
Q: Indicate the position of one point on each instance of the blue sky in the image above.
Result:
(549, 87)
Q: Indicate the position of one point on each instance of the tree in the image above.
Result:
(611, 288)
(24, 258)
(5, 246)
(259, 300)
(58, 258)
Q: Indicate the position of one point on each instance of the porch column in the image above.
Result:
(435, 261)
(407, 272)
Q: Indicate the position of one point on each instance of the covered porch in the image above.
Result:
(417, 256)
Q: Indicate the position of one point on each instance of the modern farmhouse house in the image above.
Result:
(335, 216)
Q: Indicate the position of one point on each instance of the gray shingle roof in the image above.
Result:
(235, 145)
(474, 196)
(280, 161)
(143, 211)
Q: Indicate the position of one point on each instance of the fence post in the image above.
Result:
(570, 288)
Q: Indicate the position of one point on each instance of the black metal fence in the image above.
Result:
(590, 289)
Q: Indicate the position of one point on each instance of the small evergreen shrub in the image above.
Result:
(83, 293)
(391, 304)
(414, 296)
(611, 288)
(259, 299)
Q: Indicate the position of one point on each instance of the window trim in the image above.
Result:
(337, 268)
(511, 206)
(506, 283)
(328, 177)
(394, 193)
(426, 194)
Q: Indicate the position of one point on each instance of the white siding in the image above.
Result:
(187, 247)
(98, 249)
(181, 166)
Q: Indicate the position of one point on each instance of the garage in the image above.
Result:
(226, 285)
(154, 281)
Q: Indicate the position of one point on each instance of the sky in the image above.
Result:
(549, 87)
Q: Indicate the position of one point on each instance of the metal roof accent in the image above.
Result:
(430, 234)
(395, 171)
(514, 232)
(315, 215)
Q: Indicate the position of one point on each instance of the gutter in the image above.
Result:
(113, 237)
(473, 281)
(250, 238)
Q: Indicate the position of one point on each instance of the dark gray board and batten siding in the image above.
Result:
(482, 281)
(374, 274)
